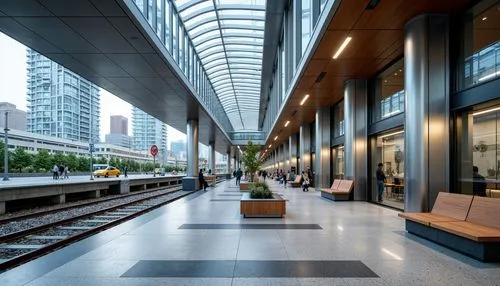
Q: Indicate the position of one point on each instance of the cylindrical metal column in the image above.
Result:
(305, 148)
(322, 168)
(356, 132)
(211, 146)
(426, 110)
(192, 148)
(229, 163)
(286, 157)
(292, 149)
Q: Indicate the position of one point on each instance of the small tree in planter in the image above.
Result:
(252, 163)
(260, 190)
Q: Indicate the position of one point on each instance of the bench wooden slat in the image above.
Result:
(426, 218)
(469, 230)
(335, 185)
(452, 205)
(485, 211)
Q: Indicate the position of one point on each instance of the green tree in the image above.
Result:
(101, 160)
(72, 162)
(43, 161)
(59, 158)
(252, 163)
(83, 164)
(20, 159)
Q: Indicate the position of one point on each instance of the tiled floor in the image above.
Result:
(201, 232)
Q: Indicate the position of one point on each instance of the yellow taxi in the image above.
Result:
(108, 171)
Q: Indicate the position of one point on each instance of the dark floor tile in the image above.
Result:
(225, 200)
(250, 226)
(181, 268)
(248, 269)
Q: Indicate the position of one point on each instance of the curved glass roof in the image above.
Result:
(228, 36)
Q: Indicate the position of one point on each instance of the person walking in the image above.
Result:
(203, 183)
(285, 178)
(125, 171)
(238, 176)
(55, 174)
(61, 171)
(66, 170)
(380, 181)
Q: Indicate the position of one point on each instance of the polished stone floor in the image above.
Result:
(199, 240)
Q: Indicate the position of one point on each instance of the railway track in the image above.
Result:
(19, 247)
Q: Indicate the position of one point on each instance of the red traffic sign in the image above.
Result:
(154, 150)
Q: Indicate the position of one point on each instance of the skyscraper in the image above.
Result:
(118, 124)
(118, 135)
(147, 130)
(17, 118)
(60, 102)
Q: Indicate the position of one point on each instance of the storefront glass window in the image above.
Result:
(338, 162)
(388, 149)
(479, 152)
(338, 120)
(389, 93)
(481, 46)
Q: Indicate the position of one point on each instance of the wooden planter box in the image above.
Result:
(274, 207)
(244, 186)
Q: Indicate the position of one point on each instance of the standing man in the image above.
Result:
(380, 181)
(238, 176)
(125, 171)
(203, 184)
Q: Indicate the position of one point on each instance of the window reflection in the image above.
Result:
(481, 45)
(389, 93)
(388, 148)
(479, 154)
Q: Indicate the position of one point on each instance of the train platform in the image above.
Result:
(203, 240)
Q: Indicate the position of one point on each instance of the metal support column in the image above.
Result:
(190, 182)
(322, 168)
(427, 82)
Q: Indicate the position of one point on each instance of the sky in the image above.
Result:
(13, 89)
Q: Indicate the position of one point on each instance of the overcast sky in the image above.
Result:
(13, 88)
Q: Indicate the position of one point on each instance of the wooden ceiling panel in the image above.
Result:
(315, 67)
(370, 43)
(344, 67)
(330, 42)
(306, 82)
(347, 14)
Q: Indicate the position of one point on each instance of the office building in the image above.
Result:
(16, 117)
(118, 135)
(118, 124)
(60, 102)
(148, 131)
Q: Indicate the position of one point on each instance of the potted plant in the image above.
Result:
(261, 202)
(250, 159)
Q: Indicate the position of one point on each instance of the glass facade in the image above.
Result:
(479, 152)
(60, 102)
(388, 148)
(389, 93)
(148, 131)
(338, 163)
(338, 120)
(481, 45)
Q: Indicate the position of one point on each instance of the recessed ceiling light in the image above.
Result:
(286, 124)
(304, 99)
(395, 73)
(275, 137)
(270, 145)
(342, 47)
(385, 80)
(485, 18)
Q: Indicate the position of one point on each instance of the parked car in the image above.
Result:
(108, 171)
(160, 171)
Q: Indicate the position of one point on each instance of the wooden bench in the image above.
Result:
(340, 190)
(468, 224)
(296, 182)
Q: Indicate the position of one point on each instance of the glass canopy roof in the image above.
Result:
(228, 36)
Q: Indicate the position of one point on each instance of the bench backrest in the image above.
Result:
(452, 205)
(346, 185)
(485, 211)
(335, 185)
(297, 179)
